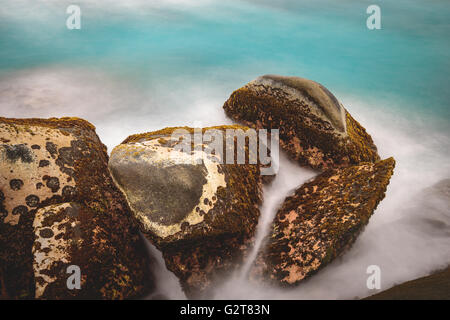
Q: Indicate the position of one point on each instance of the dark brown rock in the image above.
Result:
(315, 129)
(39, 234)
(202, 216)
(433, 287)
(320, 221)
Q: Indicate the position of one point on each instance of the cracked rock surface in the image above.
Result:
(325, 215)
(320, 221)
(201, 213)
(315, 128)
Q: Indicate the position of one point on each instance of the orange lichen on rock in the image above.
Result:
(321, 220)
(51, 169)
(202, 214)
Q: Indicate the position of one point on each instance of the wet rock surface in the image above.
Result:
(320, 221)
(315, 129)
(325, 215)
(49, 169)
(64, 202)
(202, 215)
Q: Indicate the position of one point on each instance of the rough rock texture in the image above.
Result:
(60, 207)
(201, 215)
(315, 129)
(433, 287)
(320, 221)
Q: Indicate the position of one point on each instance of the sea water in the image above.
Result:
(141, 65)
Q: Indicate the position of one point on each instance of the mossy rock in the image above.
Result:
(315, 129)
(201, 213)
(320, 221)
(54, 167)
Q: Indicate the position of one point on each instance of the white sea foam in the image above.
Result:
(399, 238)
(408, 236)
(116, 107)
(289, 177)
(167, 285)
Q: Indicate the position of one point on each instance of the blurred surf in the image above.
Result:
(140, 65)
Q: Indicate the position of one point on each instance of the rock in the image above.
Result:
(201, 215)
(59, 207)
(320, 221)
(433, 287)
(315, 129)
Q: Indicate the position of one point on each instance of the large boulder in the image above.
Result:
(200, 212)
(320, 221)
(60, 207)
(315, 129)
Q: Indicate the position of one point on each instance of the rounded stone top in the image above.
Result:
(327, 104)
(54, 123)
(165, 187)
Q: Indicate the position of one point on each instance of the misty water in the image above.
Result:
(141, 65)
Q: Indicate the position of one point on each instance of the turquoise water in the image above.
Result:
(140, 65)
(409, 59)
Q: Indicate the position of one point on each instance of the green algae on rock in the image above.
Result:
(320, 221)
(200, 213)
(60, 207)
(315, 129)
